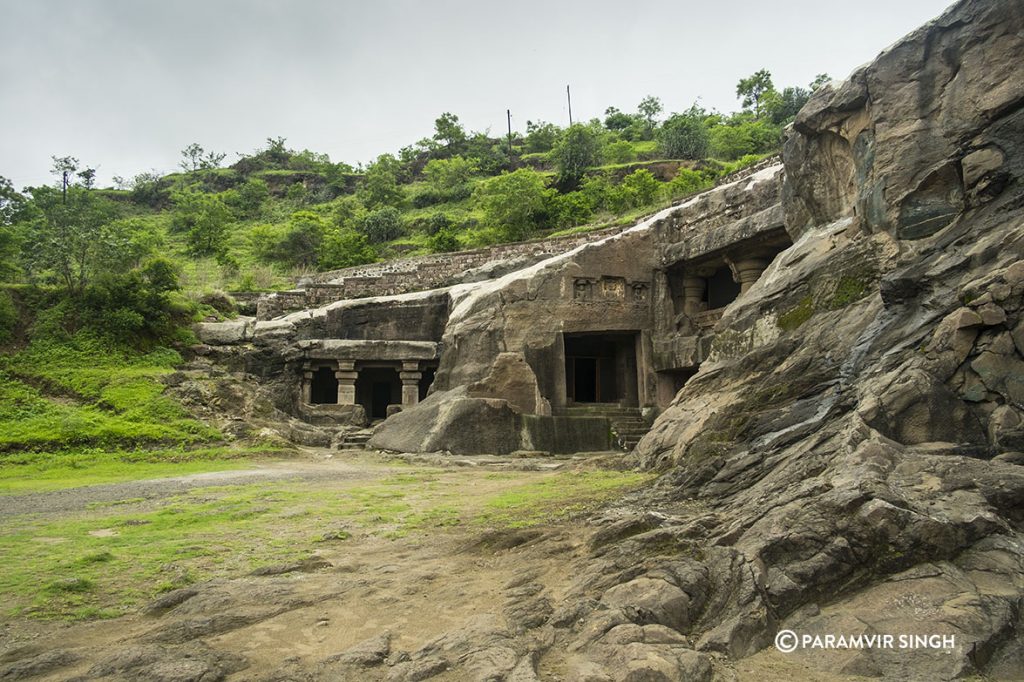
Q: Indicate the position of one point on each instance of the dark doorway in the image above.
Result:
(601, 368)
(324, 389)
(380, 399)
(586, 377)
(376, 388)
(722, 289)
(426, 380)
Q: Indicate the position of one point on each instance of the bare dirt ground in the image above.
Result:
(380, 601)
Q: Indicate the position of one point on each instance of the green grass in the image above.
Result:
(109, 563)
(116, 556)
(557, 498)
(82, 392)
(24, 472)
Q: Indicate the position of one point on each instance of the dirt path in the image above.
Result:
(60, 502)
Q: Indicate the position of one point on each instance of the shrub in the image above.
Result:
(598, 190)
(263, 241)
(431, 196)
(8, 316)
(445, 175)
(296, 192)
(513, 202)
(578, 150)
(382, 225)
(438, 222)
(684, 137)
(617, 120)
(380, 183)
(730, 142)
(343, 248)
(348, 212)
(146, 190)
(540, 136)
(619, 152)
(689, 181)
(204, 218)
(135, 306)
(642, 187)
(219, 301)
(571, 209)
(251, 196)
(444, 241)
(301, 241)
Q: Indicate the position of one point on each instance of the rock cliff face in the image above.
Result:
(853, 439)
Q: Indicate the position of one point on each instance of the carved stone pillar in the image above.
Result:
(693, 294)
(747, 271)
(410, 376)
(307, 385)
(346, 375)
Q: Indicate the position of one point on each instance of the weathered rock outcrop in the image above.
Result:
(850, 437)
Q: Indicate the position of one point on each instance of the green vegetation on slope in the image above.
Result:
(84, 392)
(278, 213)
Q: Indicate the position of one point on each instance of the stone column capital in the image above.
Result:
(746, 271)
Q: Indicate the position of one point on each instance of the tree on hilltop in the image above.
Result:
(578, 150)
(753, 88)
(194, 158)
(649, 108)
(449, 131)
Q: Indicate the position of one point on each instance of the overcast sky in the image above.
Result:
(124, 85)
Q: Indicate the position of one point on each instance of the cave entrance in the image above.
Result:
(376, 388)
(721, 289)
(670, 382)
(601, 367)
(324, 387)
(426, 380)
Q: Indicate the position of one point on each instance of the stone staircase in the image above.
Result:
(627, 423)
(356, 440)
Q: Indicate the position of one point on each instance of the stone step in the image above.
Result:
(609, 414)
(597, 407)
(629, 430)
(603, 409)
(356, 440)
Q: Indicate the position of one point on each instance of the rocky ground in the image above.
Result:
(461, 602)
